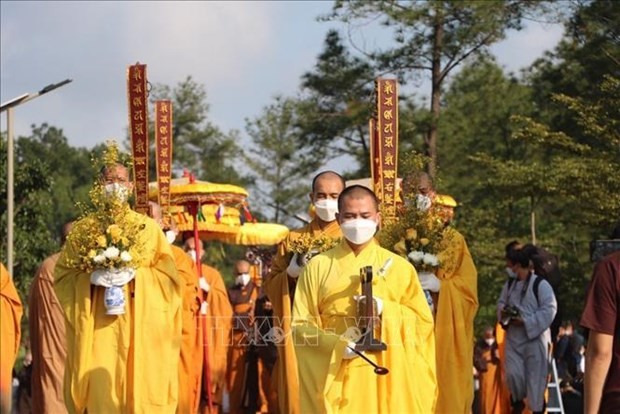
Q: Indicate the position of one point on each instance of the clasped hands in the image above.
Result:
(112, 277)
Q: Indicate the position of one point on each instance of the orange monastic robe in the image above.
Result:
(218, 323)
(491, 393)
(500, 338)
(277, 288)
(10, 317)
(190, 365)
(47, 341)
(454, 326)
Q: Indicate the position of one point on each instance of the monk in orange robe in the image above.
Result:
(216, 312)
(281, 282)
(493, 399)
(47, 338)
(10, 318)
(190, 364)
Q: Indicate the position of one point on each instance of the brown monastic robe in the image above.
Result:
(218, 325)
(47, 341)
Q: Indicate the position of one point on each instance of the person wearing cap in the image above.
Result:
(456, 285)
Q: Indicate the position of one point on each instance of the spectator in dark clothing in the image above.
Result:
(601, 317)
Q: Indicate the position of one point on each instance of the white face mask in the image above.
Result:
(192, 254)
(423, 202)
(359, 231)
(116, 190)
(171, 236)
(489, 341)
(511, 273)
(326, 209)
(242, 279)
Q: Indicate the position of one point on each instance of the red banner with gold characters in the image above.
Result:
(138, 131)
(163, 151)
(387, 142)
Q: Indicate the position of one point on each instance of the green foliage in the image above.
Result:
(72, 171)
(279, 167)
(434, 37)
(199, 146)
(336, 105)
(33, 204)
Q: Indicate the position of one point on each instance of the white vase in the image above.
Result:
(114, 300)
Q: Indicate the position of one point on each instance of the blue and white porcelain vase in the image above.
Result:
(114, 299)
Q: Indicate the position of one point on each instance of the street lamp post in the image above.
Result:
(8, 107)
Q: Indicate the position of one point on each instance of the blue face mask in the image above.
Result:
(511, 273)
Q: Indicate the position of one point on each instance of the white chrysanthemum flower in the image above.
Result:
(430, 259)
(126, 257)
(416, 256)
(99, 259)
(111, 252)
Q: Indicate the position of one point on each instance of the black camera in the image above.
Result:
(509, 312)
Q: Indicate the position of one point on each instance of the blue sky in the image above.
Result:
(244, 53)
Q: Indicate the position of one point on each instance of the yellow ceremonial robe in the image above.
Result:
(10, 330)
(47, 341)
(277, 288)
(126, 363)
(454, 326)
(323, 310)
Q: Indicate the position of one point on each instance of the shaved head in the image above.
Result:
(357, 192)
(327, 176)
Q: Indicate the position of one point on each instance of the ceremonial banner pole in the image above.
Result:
(138, 131)
(387, 141)
(375, 159)
(163, 151)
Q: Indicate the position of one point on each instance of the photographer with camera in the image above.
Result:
(525, 309)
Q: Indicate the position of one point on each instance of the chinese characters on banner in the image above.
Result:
(138, 130)
(163, 148)
(385, 145)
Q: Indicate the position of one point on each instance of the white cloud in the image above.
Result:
(521, 48)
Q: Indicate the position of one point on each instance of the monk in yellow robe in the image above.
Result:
(10, 318)
(127, 362)
(454, 324)
(47, 338)
(280, 284)
(333, 378)
(216, 313)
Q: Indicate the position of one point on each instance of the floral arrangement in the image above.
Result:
(107, 235)
(423, 241)
(307, 246)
